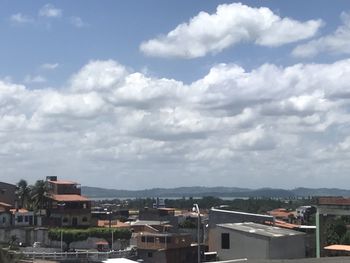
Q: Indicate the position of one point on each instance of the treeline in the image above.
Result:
(251, 205)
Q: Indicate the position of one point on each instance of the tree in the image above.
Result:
(23, 193)
(38, 193)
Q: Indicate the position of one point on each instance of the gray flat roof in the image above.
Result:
(259, 229)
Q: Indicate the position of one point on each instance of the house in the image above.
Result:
(165, 247)
(22, 217)
(256, 241)
(8, 193)
(5, 215)
(283, 215)
(65, 204)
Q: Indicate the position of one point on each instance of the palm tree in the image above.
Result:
(23, 193)
(38, 193)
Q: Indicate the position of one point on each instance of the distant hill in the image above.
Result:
(95, 192)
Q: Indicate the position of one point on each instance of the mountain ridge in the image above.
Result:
(219, 191)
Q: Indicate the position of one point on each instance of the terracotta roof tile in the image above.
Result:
(68, 198)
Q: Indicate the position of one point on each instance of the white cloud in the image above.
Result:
(19, 18)
(77, 22)
(49, 66)
(231, 24)
(253, 127)
(335, 43)
(34, 79)
(50, 11)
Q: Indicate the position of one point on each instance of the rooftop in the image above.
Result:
(62, 182)
(68, 198)
(333, 201)
(241, 213)
(338, 247)
(261, 230)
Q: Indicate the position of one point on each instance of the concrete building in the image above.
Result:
(8, 193)
(65, 204)
(22, 217)
(5, 215)
(256, 241)
(165, 248)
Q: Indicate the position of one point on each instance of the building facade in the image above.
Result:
(65, 204)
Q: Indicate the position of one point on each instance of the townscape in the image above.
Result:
(53, 221)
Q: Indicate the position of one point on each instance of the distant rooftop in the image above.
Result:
(241, 213)
(68, 198)
(259, 229)
(62, 182)
(333, 201)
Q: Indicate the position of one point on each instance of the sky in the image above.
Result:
(143, 94)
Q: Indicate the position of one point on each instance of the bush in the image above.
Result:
(72, 235)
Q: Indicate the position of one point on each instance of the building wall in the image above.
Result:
(68, 218)
(287, 247)
(178, 255)
(241, 245)
(217, 216)
(252, 246)
(5, 219)
(7, 193)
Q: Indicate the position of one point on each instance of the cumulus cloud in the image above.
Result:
(34, 79)
(50, 11)
(49, 66)
(335, 43)
(77, 22)
(231, 24)
(270, 123)
(19, 18)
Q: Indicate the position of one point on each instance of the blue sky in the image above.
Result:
(167, 92)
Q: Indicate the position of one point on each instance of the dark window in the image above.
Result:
(168, 240)
(65, 220)
(20, 219)
(26, 219)
(149, 254)
(150, 239)
(85, 219)
(143, 239)
(225, 241)
(162, 239)
(4, 220)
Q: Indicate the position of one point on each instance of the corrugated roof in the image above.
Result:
(338, 247)
(68, 198)
(259, 229)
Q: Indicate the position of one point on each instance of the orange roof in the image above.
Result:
(101, 243)
(21, 210)
(333, 201)
(68, 198)
(5, 204)
(338, 247)
(62, 182)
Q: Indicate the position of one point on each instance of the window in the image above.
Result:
(4, 220)
(149, 254)
(143, 239)
(65, 220)
(20, 219)
(150, 239)
(26, 219)
(225, 241)
(84, 219)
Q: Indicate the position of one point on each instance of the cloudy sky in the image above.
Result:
(141, 94)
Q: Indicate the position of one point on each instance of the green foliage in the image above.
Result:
(71, 235)
(187, 224)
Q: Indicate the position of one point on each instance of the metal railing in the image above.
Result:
(77, 255)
